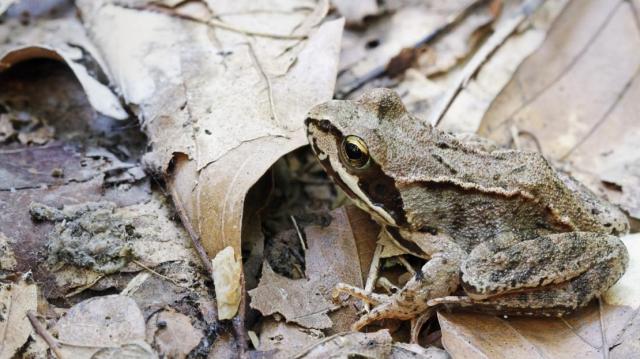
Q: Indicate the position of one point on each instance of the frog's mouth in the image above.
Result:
(371, 189)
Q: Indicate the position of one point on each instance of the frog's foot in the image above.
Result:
(362, 294)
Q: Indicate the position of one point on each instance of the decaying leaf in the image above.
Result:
(111, 321)
(578, 335)
(230, 95)
(286, 339)
(354, 344)
(62, 39)
(355, 11)
(579, 105)
(227, 274)
(307, 301)
(491, 67)
(16, 299)
(7, 257)
(172, 334)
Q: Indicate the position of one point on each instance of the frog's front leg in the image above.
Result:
(549, 275)
(439, 277)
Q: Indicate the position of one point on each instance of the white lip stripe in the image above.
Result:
(352, 182)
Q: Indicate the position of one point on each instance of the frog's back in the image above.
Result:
(475, 192)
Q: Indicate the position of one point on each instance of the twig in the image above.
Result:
(480, 57)
(159, 275)
(295, 225)
(272, 105)
(372, 276)
(84, 287)
(44, 334)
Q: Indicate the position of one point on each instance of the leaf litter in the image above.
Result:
(220, 90)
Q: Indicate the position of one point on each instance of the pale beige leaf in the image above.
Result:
(580, 104)
(288, 339)
(62, 39)
(578, 335)
(355, 11)
(100, 322)
(16, 299)
(227, 272)
(5, 4)
(492, 66)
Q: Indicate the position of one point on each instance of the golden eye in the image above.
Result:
(355, 151)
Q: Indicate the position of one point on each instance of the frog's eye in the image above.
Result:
(355, 151)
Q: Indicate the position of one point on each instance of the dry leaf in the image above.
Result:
(230, 102)
(172, 334)
(492, 66)
(16, 299)
(354, 344)
(5, 4)
(579, 104)
(227, 274)
(366, 54)
(578, 335)
(287, 339)
(415, 351)
(307, 301)
(101, 322)
(61, 39)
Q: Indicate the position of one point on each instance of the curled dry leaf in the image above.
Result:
(579, 105)
(578, 335)
(61, 39)
(230, 101)
(307, 301)
(227, 275)
(97, 323)
(16, 299)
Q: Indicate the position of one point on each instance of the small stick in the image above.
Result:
(372, 276)
(159, 275)
(44, 334)
(387, 285)
(295, 224)
(605, 346)
(406, 264)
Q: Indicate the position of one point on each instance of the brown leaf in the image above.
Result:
(578, 335)
(287, 339)
(579, 104)
(16, 299)
(172, 334)
(307, 301)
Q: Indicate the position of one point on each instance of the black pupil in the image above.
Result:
(353, 151)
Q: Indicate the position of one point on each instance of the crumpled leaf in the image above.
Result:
(307, 301)
(227, 274)
(230, 103)
(111, 321)
(355, 11)
(16, 299)
(579, 105)
(577, 335)
(65, 40)
(172, 334)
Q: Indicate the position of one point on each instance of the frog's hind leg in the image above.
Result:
(552, 299)
(497, 268)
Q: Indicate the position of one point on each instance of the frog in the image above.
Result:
(502, 231)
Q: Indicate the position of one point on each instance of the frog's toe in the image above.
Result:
(388, 310)
(368, 297)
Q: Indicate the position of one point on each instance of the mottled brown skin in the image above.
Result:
(518, 236)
